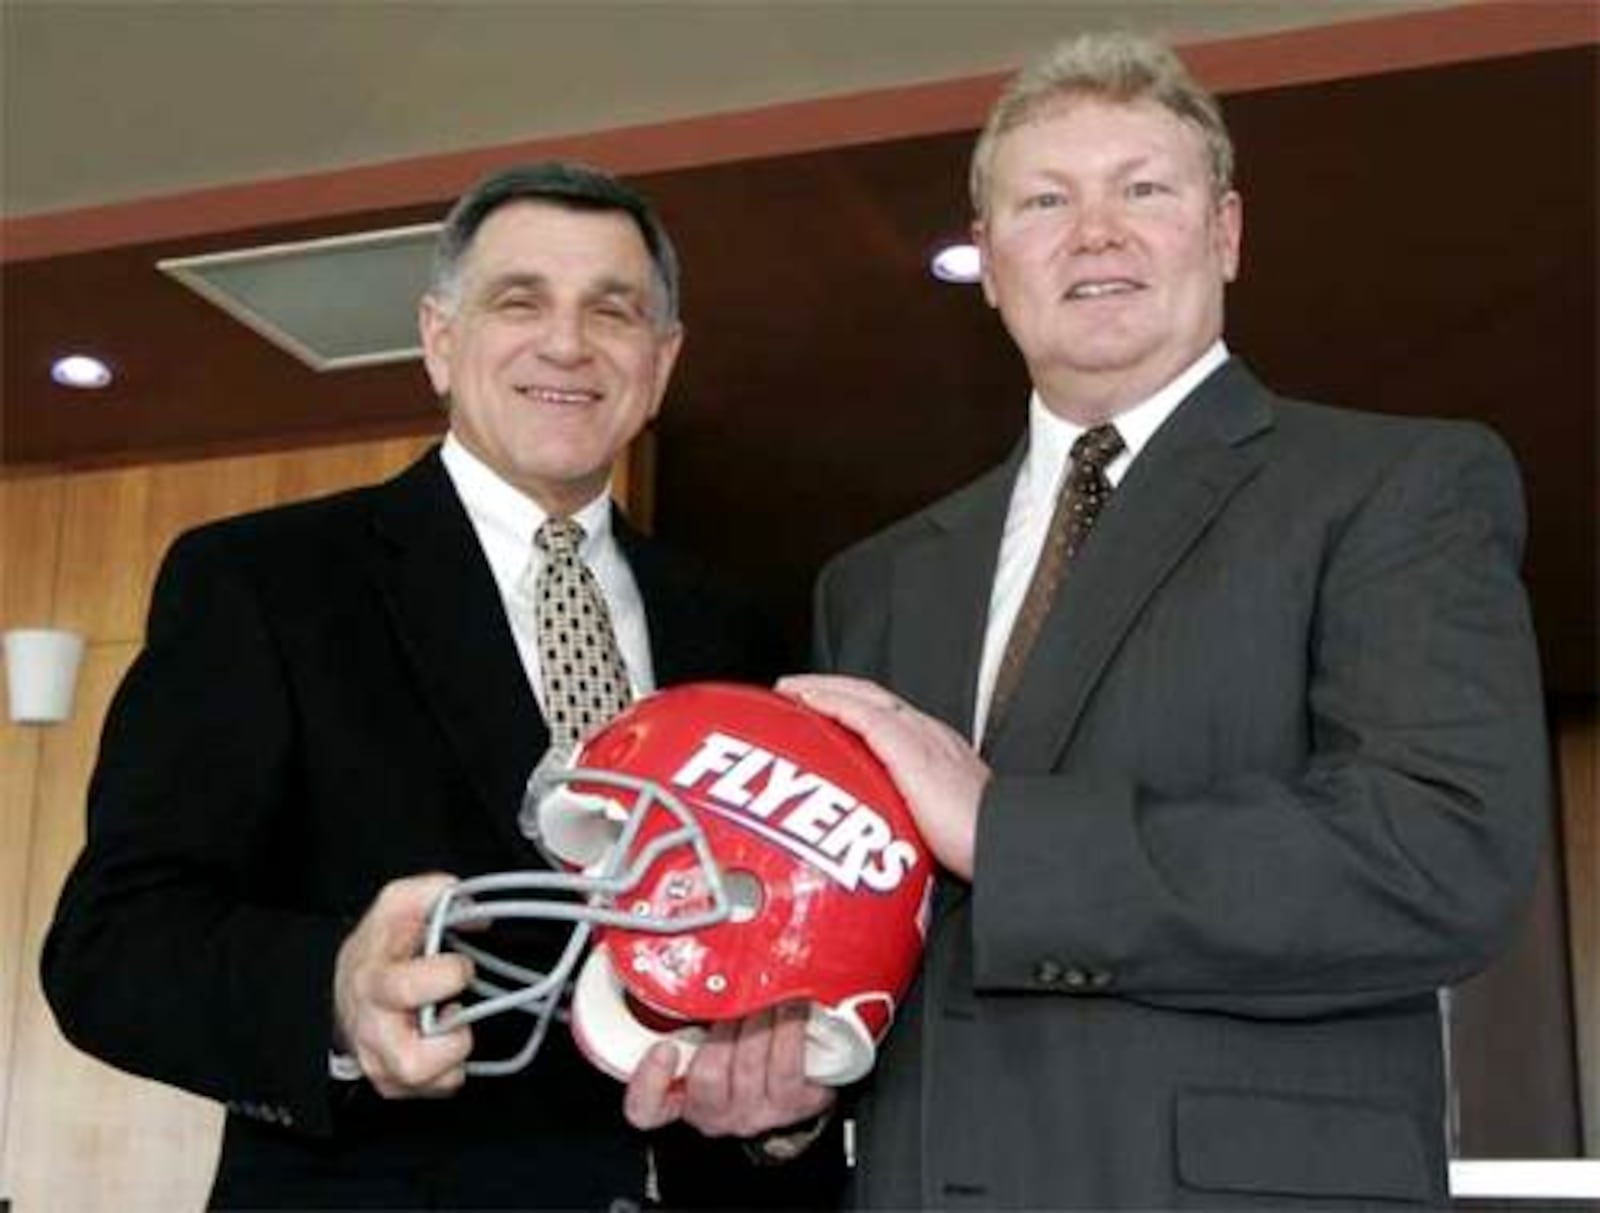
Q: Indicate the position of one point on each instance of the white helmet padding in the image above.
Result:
(839, 1045)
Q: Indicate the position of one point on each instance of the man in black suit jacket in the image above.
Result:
(336, 705)
(1274, 769)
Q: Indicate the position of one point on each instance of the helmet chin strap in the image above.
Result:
(839, 1048)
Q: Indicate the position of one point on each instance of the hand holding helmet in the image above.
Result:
(726, 850)
(379, 983)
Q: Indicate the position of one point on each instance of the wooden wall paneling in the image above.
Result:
(1578, 751)
(85, 1137)
(30, 531)
(184, 495)
(103, 580)
(30, 536)
(19, 764)
(298, 475)
(119, 523)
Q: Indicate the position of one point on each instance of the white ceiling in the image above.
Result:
(111, 100)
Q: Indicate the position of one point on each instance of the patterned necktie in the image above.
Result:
(585, 677)
(1084, 490)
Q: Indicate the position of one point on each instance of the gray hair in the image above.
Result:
(1112, 66)
(560, 183)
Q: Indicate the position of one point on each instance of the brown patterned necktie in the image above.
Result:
(1084, 490)
(585, 677)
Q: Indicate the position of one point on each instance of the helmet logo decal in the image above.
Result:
(798, 810)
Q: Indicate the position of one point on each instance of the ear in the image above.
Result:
(1230, 233)
(980, 237)
(666, 358)
(434, 323)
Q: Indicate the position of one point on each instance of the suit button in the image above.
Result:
(1047, 972)
(1075, 979)
(1099, 979)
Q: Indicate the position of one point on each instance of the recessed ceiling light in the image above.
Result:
(956, 263)
(80, 371)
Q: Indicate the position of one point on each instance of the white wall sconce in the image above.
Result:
(41, 672)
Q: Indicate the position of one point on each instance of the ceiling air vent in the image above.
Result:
(336, 302)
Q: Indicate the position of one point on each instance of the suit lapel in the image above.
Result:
(678, 636)
(447, 613)
(1190, 469)
(940, 599)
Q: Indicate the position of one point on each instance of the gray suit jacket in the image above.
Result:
(1275, 773)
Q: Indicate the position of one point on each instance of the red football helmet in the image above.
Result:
(732, 849)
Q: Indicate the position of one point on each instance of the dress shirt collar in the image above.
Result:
(1050, 437)
(506, 518)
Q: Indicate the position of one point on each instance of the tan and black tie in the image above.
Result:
(585, 677)
(1084, 490)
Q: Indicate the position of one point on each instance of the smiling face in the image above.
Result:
(1106, 249)
(551, 348)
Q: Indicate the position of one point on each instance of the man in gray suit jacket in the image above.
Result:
(1265, 766)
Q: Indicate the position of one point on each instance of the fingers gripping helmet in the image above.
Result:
(731, 850)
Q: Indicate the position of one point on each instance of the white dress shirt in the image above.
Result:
(506, 520)
(1033, 501)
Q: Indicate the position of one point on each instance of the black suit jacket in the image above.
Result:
(328, 698)
(1276, 771)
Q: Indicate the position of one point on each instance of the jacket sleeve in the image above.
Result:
(1392, 861)
(167, 956)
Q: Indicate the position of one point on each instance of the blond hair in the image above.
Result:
(1120, 67)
